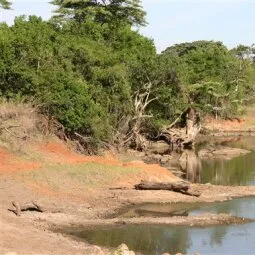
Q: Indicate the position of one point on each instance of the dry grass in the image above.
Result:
(18, 124)
(77, 178)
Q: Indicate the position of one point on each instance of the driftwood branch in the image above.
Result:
(31, 206)
(176, 120)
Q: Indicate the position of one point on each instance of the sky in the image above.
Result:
(176, 21)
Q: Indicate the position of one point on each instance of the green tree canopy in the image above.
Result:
(101, 11)
(94, 76)
(204, 74)
(5, 4)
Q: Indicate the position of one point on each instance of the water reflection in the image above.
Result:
(237, 171)
(147, 239)
(242, 207)
(157, 239)
(158, 210)
(190, 164)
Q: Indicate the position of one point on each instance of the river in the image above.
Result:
(157, 239)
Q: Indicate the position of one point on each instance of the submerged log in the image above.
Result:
(181, 187)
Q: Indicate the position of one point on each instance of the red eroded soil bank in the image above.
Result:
(11, 163)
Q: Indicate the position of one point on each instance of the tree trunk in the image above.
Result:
(183, 137)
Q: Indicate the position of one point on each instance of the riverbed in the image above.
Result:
(156, 239)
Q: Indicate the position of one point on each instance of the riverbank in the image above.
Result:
(37, 226)
(86, 190)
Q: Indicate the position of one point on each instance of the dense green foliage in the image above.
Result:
(5, 4)
(85, 84)
(205, 75)
(86, 66)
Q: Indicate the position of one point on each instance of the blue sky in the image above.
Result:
(175, 21)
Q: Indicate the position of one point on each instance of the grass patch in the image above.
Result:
(69, 176)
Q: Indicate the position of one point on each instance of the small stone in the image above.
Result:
(10, 253)
(164, 160)
(157, 157)
(178, 254)
(166, 254)
(131, 253)
(94, 250)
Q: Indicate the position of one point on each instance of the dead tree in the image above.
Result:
(142, 99)
(183, 137)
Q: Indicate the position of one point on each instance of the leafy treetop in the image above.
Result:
(101, 11)
(5, 4)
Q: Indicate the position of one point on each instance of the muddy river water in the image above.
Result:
(157, 239)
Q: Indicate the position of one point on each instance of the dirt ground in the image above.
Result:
(83, 190)
(243, 124)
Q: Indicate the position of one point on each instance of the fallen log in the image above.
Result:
(172, 186)
(181, 187)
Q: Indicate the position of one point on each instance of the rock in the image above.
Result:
(131, 253)
(94, 250)
(122, 250)
(178, 254)
(10, 253)
(164, 160)
(166, 254)
(158, 147)
(158, 157)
